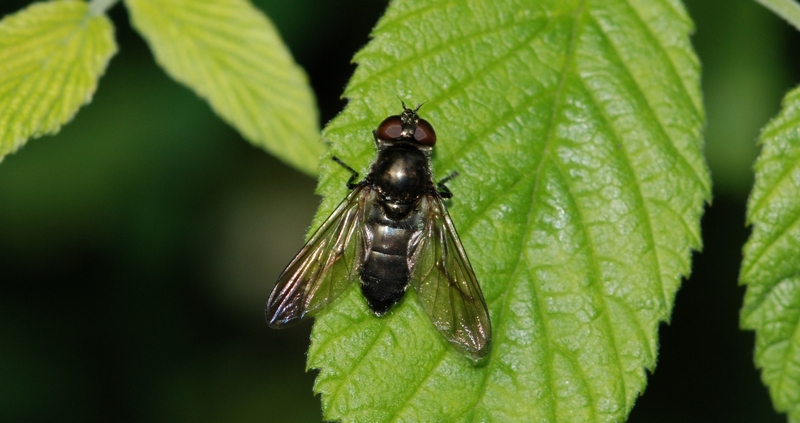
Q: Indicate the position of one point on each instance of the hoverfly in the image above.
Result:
(390, 232)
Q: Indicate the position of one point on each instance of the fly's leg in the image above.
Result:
(444, 192)
(353, 174)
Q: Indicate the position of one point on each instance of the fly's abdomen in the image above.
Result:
(384, 279)
(385, 273)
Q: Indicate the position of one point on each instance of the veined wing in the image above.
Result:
(445, 282)
(325, 266)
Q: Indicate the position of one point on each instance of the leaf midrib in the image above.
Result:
(504, 310)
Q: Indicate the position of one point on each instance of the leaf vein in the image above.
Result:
(652, 112)
(570, 56)
(780, 235)
(597, 279)
(410, 393)
(357, 362)
(789, 170)
(404, 65)
(637, 191)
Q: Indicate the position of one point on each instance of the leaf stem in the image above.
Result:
(787, 9)
(100, 7)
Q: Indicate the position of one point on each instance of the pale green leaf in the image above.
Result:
(576, 129)
(51, 57)
(771, 266)
(229, 53)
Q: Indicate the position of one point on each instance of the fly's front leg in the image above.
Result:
(353, 174)
(443, 190)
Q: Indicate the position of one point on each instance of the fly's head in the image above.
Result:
(406, 128)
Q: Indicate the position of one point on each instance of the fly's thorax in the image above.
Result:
(401, 173)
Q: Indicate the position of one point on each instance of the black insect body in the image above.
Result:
(390, 232)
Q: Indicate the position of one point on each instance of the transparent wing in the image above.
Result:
(325, 266)
(445, 282)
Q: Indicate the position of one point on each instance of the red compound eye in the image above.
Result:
(424, 133)
(390, 129)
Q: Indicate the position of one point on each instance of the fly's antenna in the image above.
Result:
(405, 108)
(403, 103)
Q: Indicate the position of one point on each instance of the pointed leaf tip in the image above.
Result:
(230, 54)
(52, 56)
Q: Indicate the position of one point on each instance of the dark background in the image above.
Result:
(138, 246)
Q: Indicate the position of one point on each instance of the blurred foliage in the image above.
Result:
(52, 54)
(138, 245)
(748, 67)
(231, 55)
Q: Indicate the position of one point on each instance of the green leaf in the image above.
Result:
(229, 53)
(51, 57)
(771, 266)
(576, 129)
